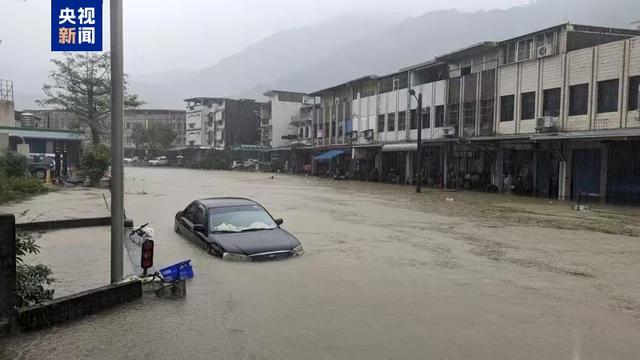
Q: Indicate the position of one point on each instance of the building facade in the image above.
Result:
(281, 121)
(173, 119)
(552, 113)
(221, 123)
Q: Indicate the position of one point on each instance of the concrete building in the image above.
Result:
(173, 119)
(44, 141)
(221, 123)
(281, 121)
(553, 113)
(539, 114)
(46, 119)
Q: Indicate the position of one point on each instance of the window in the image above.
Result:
(551, 102)
(439, 116)
(486, 117)
(414, 119)
(578, 99)
(528, 108)
(402, 120)
(381, 123)
(469, 115)
(128, 125)
(634, 96)
(426, 117)
(507, 107)
(525, 49)
(391, 123)
(240, 218)
(199, 216)
(190, 212)
(608, 96)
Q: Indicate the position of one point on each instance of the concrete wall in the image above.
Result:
(8, 271)
(195, 131)
(618, 60)
(7, 113)
(281, 114)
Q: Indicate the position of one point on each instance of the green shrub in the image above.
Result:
(32, 281)
(95, 162)
(14, 188)
(215, 160)
(14, 165)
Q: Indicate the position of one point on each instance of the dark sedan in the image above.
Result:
(236, 229)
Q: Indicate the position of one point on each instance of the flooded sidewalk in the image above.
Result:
(387, 273)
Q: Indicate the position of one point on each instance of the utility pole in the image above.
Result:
(117, 150)
(418, 171)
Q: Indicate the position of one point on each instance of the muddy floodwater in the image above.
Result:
(387, 274)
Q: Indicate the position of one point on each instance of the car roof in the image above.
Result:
(225, 201)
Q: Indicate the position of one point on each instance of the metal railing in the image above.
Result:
(6, 90)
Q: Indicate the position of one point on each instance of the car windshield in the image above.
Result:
(239, 219)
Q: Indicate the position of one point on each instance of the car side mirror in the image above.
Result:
(198, 228)
(279, 222)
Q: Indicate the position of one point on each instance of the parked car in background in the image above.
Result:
(39, 164)
(236, 229)
(159, 161)
(235, 165)
(250, 164)
(128, 160)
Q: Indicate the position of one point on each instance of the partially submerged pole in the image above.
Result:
(117, 150)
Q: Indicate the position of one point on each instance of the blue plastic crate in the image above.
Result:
(181, 270)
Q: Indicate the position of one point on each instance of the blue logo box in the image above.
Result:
(76, 25)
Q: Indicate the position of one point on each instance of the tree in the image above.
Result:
(159, 137)
(138, 135)
(81, 84)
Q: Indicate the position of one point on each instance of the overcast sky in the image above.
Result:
(162, 35)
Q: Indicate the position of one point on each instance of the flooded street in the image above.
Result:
(387, 274)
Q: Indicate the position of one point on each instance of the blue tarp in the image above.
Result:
(328, 155)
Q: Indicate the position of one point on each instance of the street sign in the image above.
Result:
(76, 25)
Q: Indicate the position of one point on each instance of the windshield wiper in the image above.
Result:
(256, 229)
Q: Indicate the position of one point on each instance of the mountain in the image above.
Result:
(311, 58)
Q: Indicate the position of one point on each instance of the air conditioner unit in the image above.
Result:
(368, 134)
(354, 135)
(547, 124)
(544, 51)
(449, 131)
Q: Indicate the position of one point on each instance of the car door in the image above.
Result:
(200, 218)
(185, 221)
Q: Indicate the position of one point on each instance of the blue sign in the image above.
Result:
(76, 25)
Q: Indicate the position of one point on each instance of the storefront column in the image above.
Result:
(498, 172)
(604, 169)
(408, 168)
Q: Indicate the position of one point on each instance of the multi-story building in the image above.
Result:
(173, 119)
(281, 120)
(221, 123)
(552, 113)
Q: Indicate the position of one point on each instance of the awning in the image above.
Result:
(400, 147)
(594, 134)
(328, 155)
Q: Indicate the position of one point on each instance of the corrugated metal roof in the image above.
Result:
(29, 133)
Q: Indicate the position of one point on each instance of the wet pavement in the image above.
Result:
(387, 274)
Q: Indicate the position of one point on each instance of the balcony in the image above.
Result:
(298, 120)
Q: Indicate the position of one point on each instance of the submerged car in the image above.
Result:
(159, 161)
(236, 229)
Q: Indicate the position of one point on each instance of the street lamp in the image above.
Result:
(418, 171)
